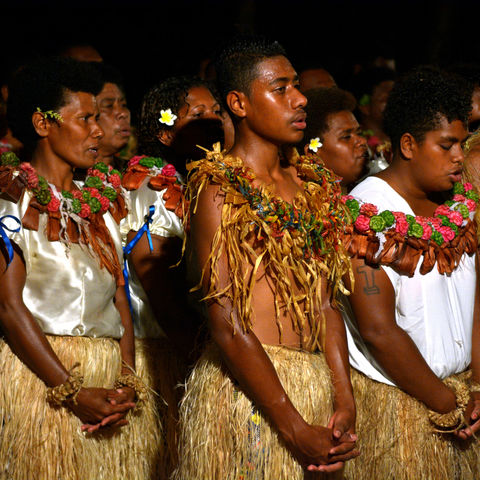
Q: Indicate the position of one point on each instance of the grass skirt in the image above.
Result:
(224, 437)
(160, 367)
(44, 443)
(396, 439)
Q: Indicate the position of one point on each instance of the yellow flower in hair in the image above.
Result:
(315, 144)
(167, 117)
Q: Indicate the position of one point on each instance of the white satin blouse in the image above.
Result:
(66, 290)
(164, 224)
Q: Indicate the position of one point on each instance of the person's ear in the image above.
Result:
(236, 102)
(41, 124)
(165, 137)
(408, 146)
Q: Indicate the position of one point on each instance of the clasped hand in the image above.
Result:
(101, 407)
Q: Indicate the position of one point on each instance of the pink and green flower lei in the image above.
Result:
(101, 188)
(443, 227)
(157, 165)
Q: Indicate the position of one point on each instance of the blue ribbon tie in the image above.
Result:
(6, 240)
(129, 247)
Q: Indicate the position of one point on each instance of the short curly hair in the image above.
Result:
(45, 84)
(170, 93)
(236, 64)
(322, 102)
(421, 98)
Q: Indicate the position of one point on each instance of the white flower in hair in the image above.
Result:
(167, 117)
(315, 144)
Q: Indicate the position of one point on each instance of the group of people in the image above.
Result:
(227, 290)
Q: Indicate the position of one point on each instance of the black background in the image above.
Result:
(150, 40)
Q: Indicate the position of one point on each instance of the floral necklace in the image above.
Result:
(282, 216)
(74, 217)
(162, 176)
(101, 188)
(401, 241)
(442, 227)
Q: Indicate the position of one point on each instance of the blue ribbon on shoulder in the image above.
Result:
(129, 247)
(6, 240)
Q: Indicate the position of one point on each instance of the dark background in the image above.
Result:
(150, 40)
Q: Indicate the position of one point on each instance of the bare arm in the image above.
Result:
(247, 360)
(336, 353)
(28, 342)
(373, 302)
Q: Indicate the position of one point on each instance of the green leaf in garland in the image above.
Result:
(437, 238)
(76, 205)
(9, 158)
(67, 194)
(415, 230)
(101, 167)
(94, 182)
(410, 219)
(95, 204)
(110, 193)
(458, 189)
(463, 209)
(148, 162)
(377, 223)
(43, 196)
(449, 203)
(472, 195)
(86, 195)
(388, 217)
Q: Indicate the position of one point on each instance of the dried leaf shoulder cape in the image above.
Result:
(298, 243)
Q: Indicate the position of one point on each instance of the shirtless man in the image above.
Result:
(267, 298)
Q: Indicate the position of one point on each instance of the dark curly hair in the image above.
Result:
(323, 102)
(421, 98)
(44, 84)
(170, 93)
(236, 63)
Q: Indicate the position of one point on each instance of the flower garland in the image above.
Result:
(72, 217)
(450, 221)
(162, 176)
(102, 186)
(442, 227)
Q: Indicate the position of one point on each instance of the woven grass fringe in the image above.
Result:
(159, 365)
(220, 430)
(44, 443)
(396, 439)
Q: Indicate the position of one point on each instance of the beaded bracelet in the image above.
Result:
(453, 420)
(68, 390)
(134, 382)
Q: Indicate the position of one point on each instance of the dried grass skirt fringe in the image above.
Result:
(44, 443)
(223, 436)
(396, 439)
